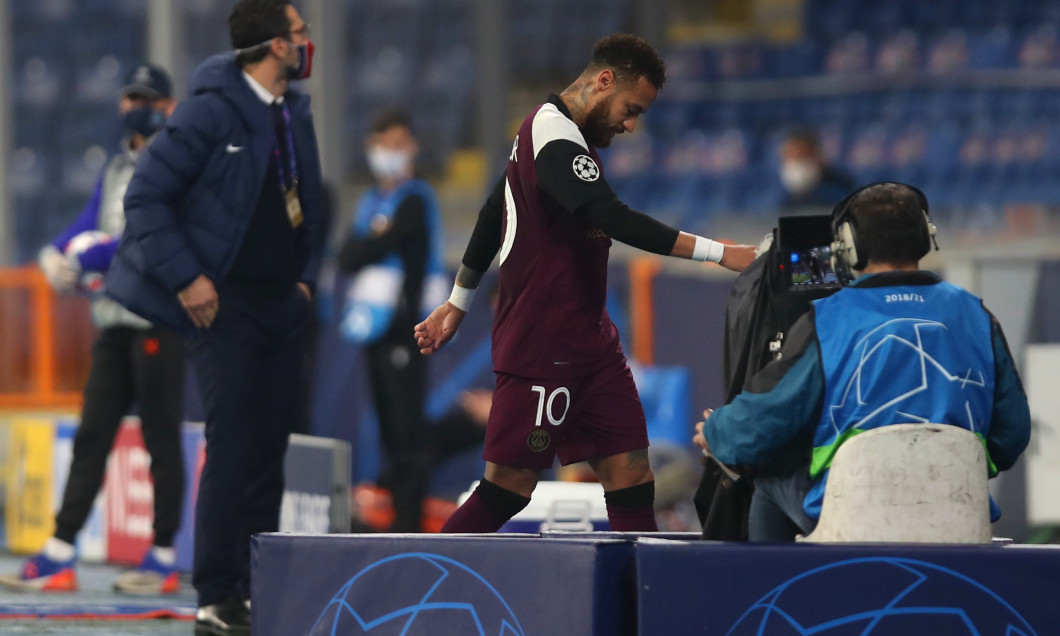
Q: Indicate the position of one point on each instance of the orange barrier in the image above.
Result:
(45, 343)
(642, 273)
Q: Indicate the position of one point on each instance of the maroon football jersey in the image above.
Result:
(551, 319)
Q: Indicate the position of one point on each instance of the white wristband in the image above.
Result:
(707, 250)
(461, 297)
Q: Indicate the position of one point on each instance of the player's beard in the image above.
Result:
(597, 130)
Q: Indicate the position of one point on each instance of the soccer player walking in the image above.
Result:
(563, 386)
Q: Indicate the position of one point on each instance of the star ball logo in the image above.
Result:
(418, 594)
(585, 168)
(895, 596)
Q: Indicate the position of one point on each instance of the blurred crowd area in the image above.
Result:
(959, 97)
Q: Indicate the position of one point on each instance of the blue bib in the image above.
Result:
(900, 355)
(374, 292)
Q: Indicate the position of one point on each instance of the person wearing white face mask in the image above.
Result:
(810, 182)
(395, 256)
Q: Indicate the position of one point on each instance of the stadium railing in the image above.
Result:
(45, 340)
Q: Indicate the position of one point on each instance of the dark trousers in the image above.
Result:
(398, 375)
(776, 513)
(129, 365)
(248, 363)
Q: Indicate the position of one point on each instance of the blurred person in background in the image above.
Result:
(222, 214)
(563, 385)
(395, 254)
(793, 415)
(811, 183)
(133, 361)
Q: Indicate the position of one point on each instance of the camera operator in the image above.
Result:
(897, 345)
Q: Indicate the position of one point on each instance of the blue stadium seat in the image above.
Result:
(111, 9)
(934, 16)
(880, 16)
(689, 62)
(851, 53)
(947, 51)
(56, 12)
(81, 166)
(742, 60)
(39, 82)
(532, 42)
(29, 172)
(33, 213)
(800, 59)
(991, 48)
(386, 73)
(829, 19)
(35, 126)
(100, 79)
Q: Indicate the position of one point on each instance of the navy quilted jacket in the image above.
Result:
(195, 190)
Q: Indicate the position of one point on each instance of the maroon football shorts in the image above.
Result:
(595, 415)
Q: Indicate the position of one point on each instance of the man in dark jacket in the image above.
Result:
(222, 212)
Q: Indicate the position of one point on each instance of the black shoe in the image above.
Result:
(230, 616)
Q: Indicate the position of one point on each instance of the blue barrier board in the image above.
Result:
(781, 590)
(415, 585)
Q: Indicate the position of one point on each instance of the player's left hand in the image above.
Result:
(738, 257)
(438, 329)
(699, 439)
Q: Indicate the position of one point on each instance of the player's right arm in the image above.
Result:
(485, 242)
(592, 199)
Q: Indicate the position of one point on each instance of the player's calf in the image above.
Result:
(486, 510)
(632, 509)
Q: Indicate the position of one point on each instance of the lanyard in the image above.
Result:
(284, 184)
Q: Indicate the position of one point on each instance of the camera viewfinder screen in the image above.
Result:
(812, 268)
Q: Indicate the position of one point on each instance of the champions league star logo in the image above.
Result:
(895, 596)
(585, 168)
(418, 594)
(904, 349)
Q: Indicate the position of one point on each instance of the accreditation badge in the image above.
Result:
(294, 207)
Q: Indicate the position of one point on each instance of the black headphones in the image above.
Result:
(845, 247)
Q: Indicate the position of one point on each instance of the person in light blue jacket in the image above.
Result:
(898, 345)
(221, 243)
(394, 254)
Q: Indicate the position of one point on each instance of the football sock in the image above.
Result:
(632, 509)
(486, 510)
(59, 550)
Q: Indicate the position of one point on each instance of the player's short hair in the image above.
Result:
(891, 224)
(391, 118)
(630, 57)
(254, 22)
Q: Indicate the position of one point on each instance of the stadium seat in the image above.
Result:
(921, 483)
(947, 52)
(28, 172)
(991, 48)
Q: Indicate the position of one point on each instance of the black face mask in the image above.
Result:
(143, 120)
(305, 62)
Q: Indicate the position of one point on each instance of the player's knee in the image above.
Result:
(625, 470)
(639, 496)
(501, 501)
(518, 480)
